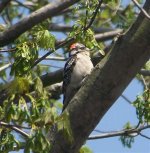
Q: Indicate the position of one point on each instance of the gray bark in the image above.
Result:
(3, 4)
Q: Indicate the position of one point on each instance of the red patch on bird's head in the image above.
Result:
(73, 46)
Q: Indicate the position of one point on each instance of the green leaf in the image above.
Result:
(127, 141)
(37, 143)
(20, 85)
(24, 58)
(39, 86)
(127, 125)
(142, 105)
(88, 39)
(147, 65)
(85, 149)
(45, 39)
(63, 124)
(8, 141)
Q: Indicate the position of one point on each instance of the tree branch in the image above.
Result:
(68, 28)
(28, 5)
(144, 72)
(141, 9)
(5, 66)
(94, 15)
(3, 4)
(14, 128)
(126, 99)
(55, 58)
(36, 17)
(7, 50)
(145, 136)
(144, 82)
(108, 35)
(105, 84)
(127, 132)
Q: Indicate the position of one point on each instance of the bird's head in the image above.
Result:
(76, 48)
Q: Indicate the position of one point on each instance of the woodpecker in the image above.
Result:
(77, 67)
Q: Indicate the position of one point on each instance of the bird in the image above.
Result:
(77, 67)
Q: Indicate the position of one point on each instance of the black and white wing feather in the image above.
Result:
(68, 69)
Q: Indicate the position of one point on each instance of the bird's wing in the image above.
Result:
(67, 73)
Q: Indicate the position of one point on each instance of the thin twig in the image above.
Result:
(86, 16)
(126, 99)
(22, 127)
(24, 5)
(8, 50)
(14, 128)
(100, 131)
(68, 28)
(127, 132)
(54, 58)
(3, 4)
(143, 135)
(137, 126)
(8, 17)
(144, 82)
(49, 65)
(50, 52)
(94, 15)
(5, 66)
(140, 8)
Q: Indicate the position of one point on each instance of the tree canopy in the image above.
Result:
(34, 40)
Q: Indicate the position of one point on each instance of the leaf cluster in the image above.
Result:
(127, 141)
(38, 115)
(142, 105)
(7, 141)
(37, 142)
(82, 32)
(27, 51)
